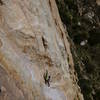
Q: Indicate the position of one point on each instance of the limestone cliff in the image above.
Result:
(32, 40)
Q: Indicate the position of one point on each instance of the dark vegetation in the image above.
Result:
(82, 19)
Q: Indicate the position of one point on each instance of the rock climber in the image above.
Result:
(47, 78)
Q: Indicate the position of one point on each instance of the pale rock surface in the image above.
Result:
(32, 39)
(98, 2)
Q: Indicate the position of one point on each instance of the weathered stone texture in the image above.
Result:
(32, 39)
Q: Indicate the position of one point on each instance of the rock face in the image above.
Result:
(32, 40)
(98, 2)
